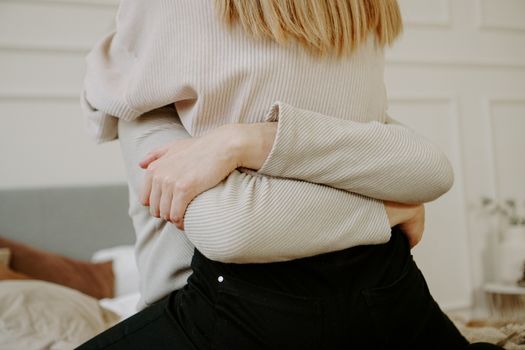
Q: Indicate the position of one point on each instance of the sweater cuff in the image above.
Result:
(100, 126)
(286, 136)
(379, 226)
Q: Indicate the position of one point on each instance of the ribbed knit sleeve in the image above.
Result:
(249, 217)
(383, 161)
(108, 72)
(101, 127)
(255, 219)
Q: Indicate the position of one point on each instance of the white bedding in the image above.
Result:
(126, 280)
(38, 315)
(124, 268)
(124, 306)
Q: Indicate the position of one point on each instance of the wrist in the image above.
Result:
(398, 212)
(251, 143)
(233, 143)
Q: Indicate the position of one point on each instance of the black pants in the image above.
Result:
(362, 297)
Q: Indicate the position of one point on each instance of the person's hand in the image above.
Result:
(413, 228)
(179, 171)
(410, 218)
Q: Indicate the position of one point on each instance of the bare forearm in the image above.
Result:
(250, 144)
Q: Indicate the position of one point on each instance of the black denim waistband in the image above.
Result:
(320, 275)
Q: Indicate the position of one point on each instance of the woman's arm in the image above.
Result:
(259, 219)
(250, 218)
(382, 161)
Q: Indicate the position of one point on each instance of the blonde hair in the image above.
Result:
(321, 26)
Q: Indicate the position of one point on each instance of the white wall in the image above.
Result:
(457, 75)
(42, 139)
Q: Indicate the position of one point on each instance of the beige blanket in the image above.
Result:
(508, 333)
(38, 315)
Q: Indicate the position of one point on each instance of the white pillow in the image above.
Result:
(38, 315)
(124, 306)
(124, 268)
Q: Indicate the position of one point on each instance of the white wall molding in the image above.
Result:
(408, 96)
(506, 99)
(490, 118)
(498, 15)
(105, 3)
(48, 49)
(41, 26)
(39, 97)
(449, 104)
(428, 13)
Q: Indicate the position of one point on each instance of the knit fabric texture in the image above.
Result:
(336, 157)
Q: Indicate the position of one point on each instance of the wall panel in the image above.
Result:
(443, 263)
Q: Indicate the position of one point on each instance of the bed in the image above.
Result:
(88, 223)
(91, 224)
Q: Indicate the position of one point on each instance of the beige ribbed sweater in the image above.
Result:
(334, 160)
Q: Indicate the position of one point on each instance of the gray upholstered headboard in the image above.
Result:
(74, 221)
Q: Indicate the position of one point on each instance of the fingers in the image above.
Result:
(412, 242)
(146, 188)
(163, 191)
(159, 152)
(152, 156)
(415, 235)
(413, 230)
(178, 207)
(166, 200)
(169, 203)
(154, 198)
(165, 203)
(147, 160)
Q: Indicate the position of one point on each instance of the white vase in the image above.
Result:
(511, 255)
